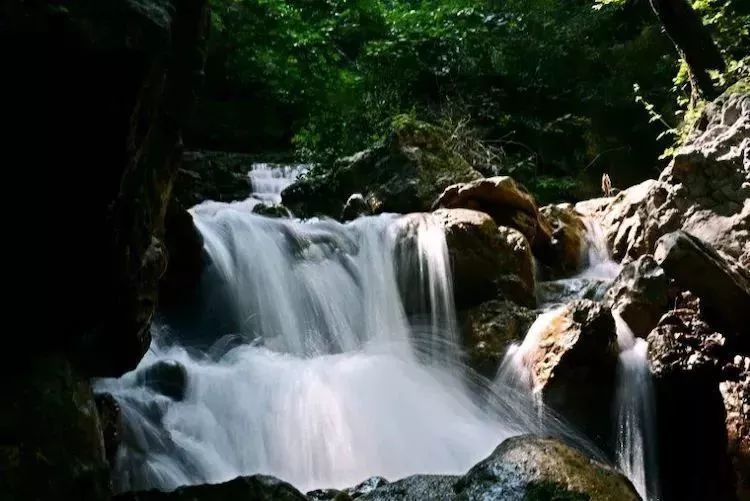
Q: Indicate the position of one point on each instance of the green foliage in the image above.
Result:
(539, 89)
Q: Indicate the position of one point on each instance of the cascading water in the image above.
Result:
(309, 367)
(320, 353)
(636, 436)
(634, 398)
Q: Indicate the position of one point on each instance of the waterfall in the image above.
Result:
(318, 352)
(634, 405)
(636, 438)
(321, 353)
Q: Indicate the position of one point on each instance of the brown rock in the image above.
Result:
(487, 260)
(507, 202)
(571, 355)
(568, 242)
(489, 329)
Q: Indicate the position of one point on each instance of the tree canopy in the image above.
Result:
(557, 92)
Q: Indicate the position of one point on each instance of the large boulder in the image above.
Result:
(489, 329)
(507, 202)
(486, 259)
(705, 190)
(567, 253)
(640, 295)
(403, 174)
(724, 287)
(125, 80)
(167, 377)
(686, 357)
(52, 445)
(251, 488)
(570, 355)
(528, 467)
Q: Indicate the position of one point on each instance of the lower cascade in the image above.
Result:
(325, 353)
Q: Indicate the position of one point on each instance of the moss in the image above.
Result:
(740, 87)
(549, 491)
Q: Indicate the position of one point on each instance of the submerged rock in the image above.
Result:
(571, 355)
(167, 377)
(528, 467)
(272, 210)
(724, 287)
(640, 295)
(403, 174)
(487, 260)
(251, 488)
(489, 329)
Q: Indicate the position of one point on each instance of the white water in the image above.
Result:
(321, 378)
(269, 180)
(329, 355)
(634, 398)
(635, 413)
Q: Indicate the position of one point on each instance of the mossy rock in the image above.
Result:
(527, 468)
(53, 446)
(404, 173)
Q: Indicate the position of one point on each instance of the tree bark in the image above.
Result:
(692, 40)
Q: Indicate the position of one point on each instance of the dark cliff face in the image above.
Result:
(116, 80)
(96, 93)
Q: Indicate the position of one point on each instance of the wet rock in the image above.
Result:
(529, 467)
(328, 495)
(487, 260)
(111, 424)
(568, 243)
(255, 488)
(640, 295)
(403, 174)
(185, 259)
(571, 355)
(724, 287)
(735, 392)
(507, 202)
(432, 487)
(52, 444)
(557, 292)
(167, 377)
(704, 191)
(366, 487)
(213, 175)
(489, 329)
(355, 206)
(685, 357)
(272, 210)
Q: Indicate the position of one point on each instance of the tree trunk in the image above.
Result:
(693, 42)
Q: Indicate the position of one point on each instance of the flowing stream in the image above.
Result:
(326, 353)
